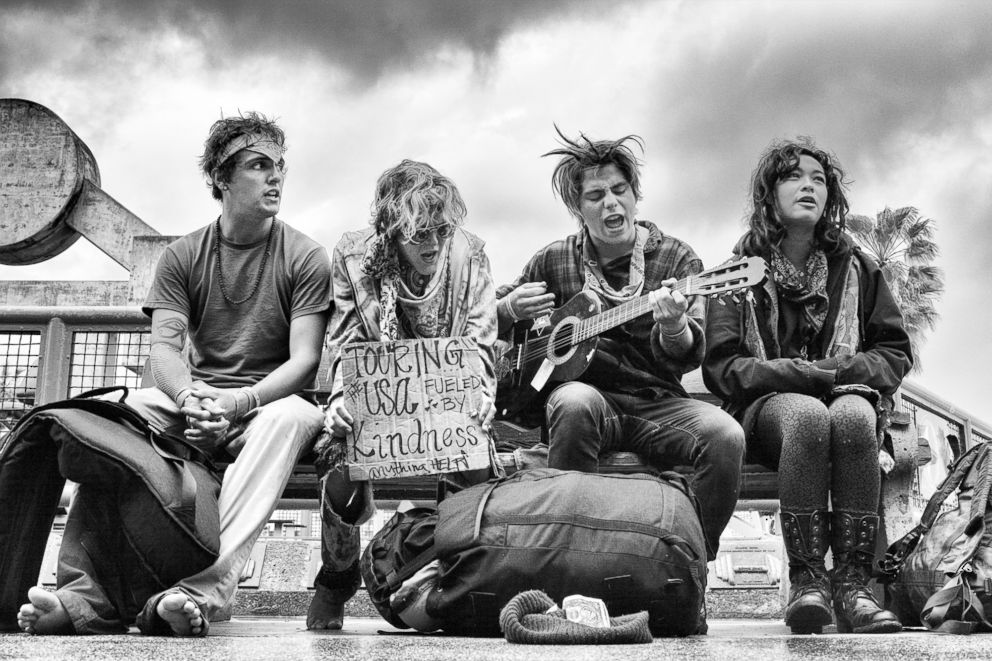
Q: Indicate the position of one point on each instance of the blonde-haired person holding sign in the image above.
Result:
(414, 274)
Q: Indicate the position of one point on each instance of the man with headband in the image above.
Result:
(252, 296)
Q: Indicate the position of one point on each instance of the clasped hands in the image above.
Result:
(210, 415)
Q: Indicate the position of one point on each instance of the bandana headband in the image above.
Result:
(255, 142)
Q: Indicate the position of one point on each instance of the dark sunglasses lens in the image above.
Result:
(442, 232)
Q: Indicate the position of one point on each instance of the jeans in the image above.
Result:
(666, 432)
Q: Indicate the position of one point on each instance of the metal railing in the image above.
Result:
(49, 353)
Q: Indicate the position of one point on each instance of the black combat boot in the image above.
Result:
(806, 537)
(853, 544)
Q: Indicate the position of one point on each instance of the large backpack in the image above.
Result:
(166, 491)
(634, 541)
(940, 573)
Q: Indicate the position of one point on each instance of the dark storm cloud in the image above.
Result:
(364, 37)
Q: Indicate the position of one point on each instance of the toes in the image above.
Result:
(27, 617)
(181, 614)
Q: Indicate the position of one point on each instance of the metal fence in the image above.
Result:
(49, 353)
(102, 358)
(19, 353)
(944, 433)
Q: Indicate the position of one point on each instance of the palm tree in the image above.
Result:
(903, 243)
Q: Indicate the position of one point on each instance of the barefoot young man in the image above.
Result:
(252, 295)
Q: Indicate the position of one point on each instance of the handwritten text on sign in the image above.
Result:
(412, 401)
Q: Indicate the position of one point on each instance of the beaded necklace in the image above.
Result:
(261, 267)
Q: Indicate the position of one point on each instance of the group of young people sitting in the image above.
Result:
(806, 363)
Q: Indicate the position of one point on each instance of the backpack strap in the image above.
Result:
(895, 556)
(480, 510)
(955, 598)
(424, 558)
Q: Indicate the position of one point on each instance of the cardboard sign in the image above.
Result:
(411, 401)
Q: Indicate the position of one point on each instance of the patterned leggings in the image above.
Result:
(819, 448)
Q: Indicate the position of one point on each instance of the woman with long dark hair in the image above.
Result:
(808, 363)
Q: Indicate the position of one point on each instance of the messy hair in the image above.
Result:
(227, 129)
(779, 159)
(413, 195)
(581, 154)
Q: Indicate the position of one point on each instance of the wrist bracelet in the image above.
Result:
(509, 309)
(181, 397)
(678, 333)
(253, 399)
(238, 412)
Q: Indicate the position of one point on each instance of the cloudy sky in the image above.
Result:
(901, 91)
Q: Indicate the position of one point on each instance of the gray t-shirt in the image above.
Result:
(238, 345)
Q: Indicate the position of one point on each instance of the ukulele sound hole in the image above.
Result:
(561, 344)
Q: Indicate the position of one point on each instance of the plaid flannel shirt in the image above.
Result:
(630, 358)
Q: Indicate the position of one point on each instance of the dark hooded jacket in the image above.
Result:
(744, 381)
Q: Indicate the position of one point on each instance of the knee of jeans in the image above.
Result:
(723, 435)
(570, 398)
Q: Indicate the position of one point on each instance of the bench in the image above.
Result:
(759, 488)
(759, 485)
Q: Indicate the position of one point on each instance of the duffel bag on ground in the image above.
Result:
(634, 541)
(940, 573)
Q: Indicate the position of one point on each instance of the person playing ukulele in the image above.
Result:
(630, 397)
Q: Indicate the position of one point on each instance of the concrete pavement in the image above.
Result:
(372, 639)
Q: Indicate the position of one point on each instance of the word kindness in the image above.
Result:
(412, 402)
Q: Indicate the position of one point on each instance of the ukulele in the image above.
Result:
(563, 348)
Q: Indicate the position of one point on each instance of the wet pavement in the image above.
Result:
(369, 639)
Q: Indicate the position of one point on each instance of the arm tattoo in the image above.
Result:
(173, 329)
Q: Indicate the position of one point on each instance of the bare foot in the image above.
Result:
(44, 615)
(181, 614)
(325, 611)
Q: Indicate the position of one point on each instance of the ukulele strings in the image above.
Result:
(587, 328)
(537, 347)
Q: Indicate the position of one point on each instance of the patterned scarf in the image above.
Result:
(596, 281)
(807, 288)
(381, 262)
(846, 336)
(426, 314)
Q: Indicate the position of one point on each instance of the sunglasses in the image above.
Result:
(442, 231)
